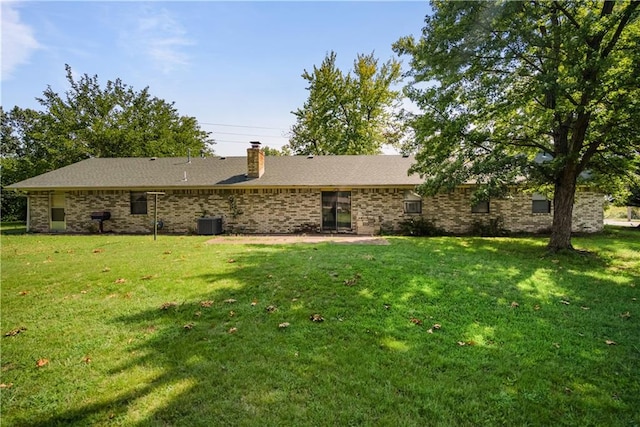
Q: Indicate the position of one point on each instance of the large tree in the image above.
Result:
(91, 121)
(352, 113)
(499, 83)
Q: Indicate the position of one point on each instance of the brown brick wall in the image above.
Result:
(452, 212)
(39, 212)
(294, 210)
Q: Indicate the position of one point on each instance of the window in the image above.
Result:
(413, 207)
(540, 204)
(138, 203)
(480, 207)
(412, 203)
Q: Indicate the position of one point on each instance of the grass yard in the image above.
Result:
(122, 330)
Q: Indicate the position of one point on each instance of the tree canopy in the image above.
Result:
(269, 151)
(499, 83)
(350, 113)
(91, 121)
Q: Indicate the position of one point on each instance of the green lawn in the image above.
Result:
(437, 331)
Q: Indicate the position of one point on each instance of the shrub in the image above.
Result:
(492, 228)
(420, 227)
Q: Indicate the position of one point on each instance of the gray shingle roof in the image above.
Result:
(229, 172)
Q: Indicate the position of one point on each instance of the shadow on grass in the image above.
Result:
(8, 228)
(434, 331)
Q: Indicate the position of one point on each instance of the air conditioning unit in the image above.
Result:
(209, 226)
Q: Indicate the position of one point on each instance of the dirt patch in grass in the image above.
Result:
(286, 239)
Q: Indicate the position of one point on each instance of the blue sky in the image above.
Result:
(236, 64)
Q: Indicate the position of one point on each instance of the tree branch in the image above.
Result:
(626, 16)
(566, 13)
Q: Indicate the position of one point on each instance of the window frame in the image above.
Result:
(138, 203)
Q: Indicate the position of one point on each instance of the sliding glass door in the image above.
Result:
(336, 210)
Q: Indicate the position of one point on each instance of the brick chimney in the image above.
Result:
(255, 160)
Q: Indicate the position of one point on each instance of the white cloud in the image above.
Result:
(18, 40)
(158, 36)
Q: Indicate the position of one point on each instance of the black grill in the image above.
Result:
(101, 216)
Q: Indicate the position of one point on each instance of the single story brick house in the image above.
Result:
(258, 194)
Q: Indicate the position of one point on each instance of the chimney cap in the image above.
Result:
(255, 144)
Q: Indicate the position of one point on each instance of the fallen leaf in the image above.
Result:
(148, 277)
(188, 326)
(353, 280)
(625, 315)
(121, 280)
(86, 359)
(515, 305)
(230, 301)
(232, 313)
(536, 307)
(16, 331)
(386, 306)
(610, 342)
(23, 293)
(106, 270)
(198, 313)
(206, 304)
(584, 307)
(556, 345)
(271, 308)
(98, 251)
(254, 303)
(3, 385)
(565, 302)
(168, 305)
(430, 331)
(416, 321)
(167, 252)
(231, 260)
(462, 343)
(283, 325)
(437, 326)
(316, 318)
(233, 330)
(568, 390)
(42, 362)
(83, 292)
(270, 276)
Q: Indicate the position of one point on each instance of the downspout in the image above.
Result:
(28, 212)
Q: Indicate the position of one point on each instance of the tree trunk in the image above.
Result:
(564, 195)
